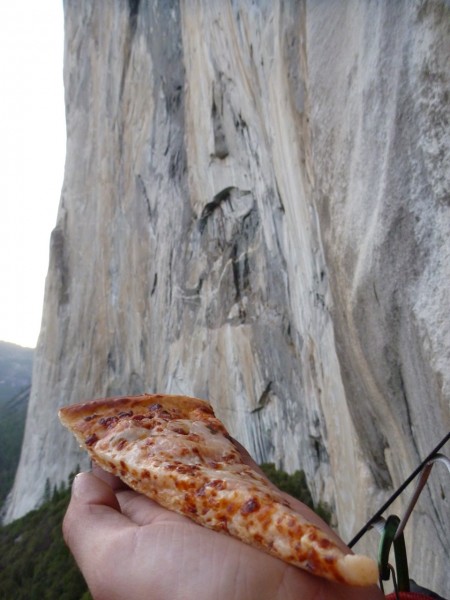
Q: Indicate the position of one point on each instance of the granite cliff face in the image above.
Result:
(256, 211)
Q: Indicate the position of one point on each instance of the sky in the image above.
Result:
(32, 148)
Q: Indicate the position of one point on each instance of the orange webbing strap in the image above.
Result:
(420, 593)
(408, 596)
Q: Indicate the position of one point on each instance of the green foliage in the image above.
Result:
(35, 563)
(297, 486)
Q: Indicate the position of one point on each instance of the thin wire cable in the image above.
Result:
(397, 493)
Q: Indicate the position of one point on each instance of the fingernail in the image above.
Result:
(79, 484)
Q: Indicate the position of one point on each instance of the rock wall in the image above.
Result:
(256, 211)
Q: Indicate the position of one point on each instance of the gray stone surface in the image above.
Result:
(256, 211)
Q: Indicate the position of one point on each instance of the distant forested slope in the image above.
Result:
(35, 564)
(15, 381)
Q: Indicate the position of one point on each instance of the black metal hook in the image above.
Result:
(439, 458)
(388, 529)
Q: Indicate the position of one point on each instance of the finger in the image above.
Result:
(92, 517)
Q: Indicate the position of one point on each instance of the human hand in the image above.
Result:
(130, 548)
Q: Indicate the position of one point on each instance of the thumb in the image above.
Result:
(93, 518)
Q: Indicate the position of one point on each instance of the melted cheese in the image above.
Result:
(176, 452)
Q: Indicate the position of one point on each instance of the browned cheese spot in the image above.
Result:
(90, 441)
(311, 565)
(187, 469)
(222, 524)
(121, 444)
(179, 430)
(218, 484)
(108, 421)
(229, 458)
(90, 417)
(265, 518)
(250, 506)
(189, 504)
(312, 535)
(125, 413)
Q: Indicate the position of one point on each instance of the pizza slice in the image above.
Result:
(175, 451)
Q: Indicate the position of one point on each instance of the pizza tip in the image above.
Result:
(359, 570)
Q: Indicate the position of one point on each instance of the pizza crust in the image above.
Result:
(175, 451)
